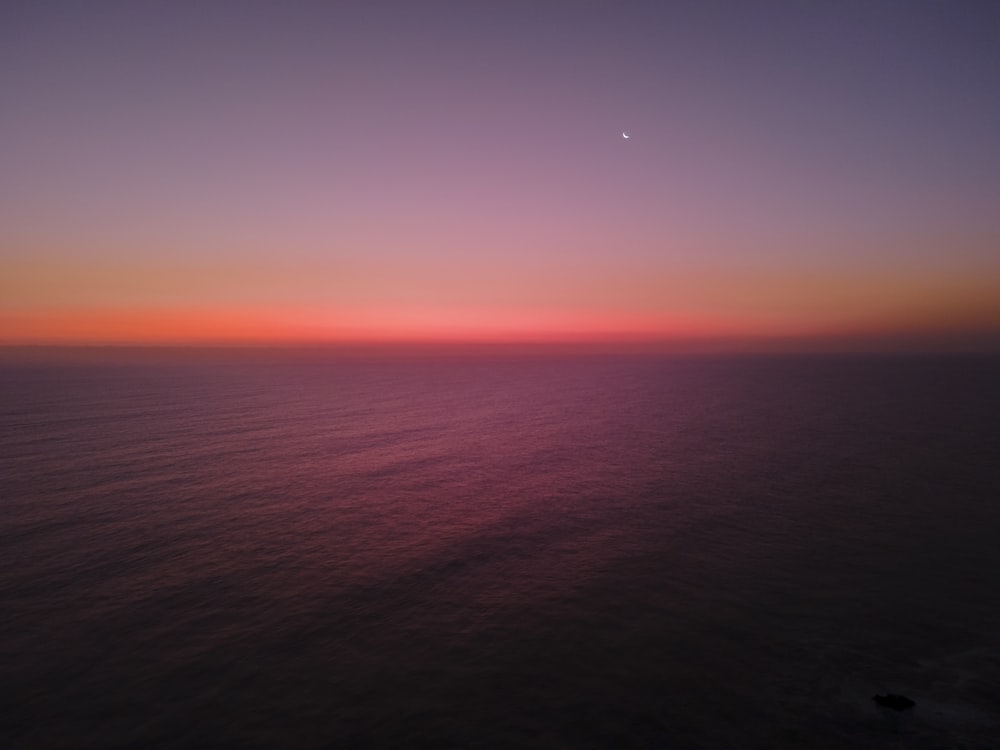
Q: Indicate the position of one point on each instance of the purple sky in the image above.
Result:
(402, 164)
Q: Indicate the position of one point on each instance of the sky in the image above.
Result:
(798, 175)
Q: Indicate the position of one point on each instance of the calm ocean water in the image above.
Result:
(579, 552)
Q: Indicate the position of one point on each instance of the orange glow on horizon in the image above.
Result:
(127, 326)
(215, 325)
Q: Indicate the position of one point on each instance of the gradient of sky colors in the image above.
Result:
(344, 171)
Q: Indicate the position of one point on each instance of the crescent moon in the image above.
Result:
(624, 135)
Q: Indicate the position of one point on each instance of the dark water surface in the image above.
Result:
(587, 552)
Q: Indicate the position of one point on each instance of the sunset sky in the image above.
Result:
(264, 172)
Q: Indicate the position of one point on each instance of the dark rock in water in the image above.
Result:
(893, 701)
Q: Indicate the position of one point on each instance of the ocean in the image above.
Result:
(516, 551)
